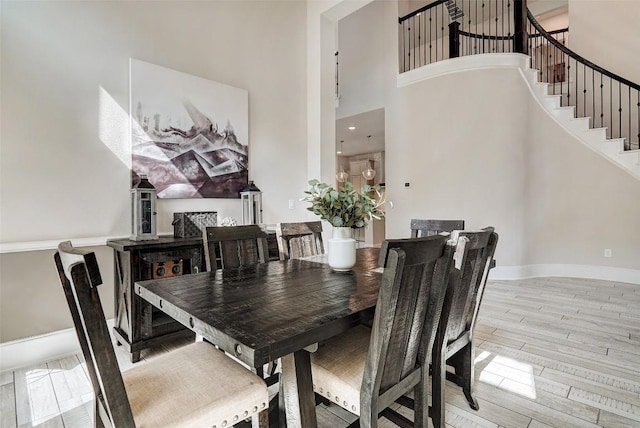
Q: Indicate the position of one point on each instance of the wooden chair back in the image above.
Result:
(421, 228)
(454, 343)
(468, 280)
(234, 246)
(80, 278)
(296, 240)
(409, 305)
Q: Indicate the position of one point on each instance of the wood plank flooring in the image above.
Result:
(550, 352)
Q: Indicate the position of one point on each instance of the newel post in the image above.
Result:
(520, 36)
(454, 39)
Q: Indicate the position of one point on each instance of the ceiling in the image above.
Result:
(356, 141)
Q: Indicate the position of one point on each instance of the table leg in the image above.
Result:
(297, 391)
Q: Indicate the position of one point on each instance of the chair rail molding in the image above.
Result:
(20, 247)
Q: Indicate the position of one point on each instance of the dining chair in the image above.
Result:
(238, 246)
(364, 370)
(296, 240)
(194, 386)
(234, 246)
(454, 343)
(420, 228)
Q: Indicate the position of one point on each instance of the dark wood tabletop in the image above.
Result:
(271, 310)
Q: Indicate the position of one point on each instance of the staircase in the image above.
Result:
(580, 95)
(612, 149)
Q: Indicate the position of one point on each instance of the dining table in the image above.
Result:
(269, 311)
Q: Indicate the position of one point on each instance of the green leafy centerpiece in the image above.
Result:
(346, 209)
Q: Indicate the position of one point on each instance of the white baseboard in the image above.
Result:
(38, 349)
(631, 276)
(47, 347)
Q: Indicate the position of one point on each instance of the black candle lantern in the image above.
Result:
(143, 211)
(251, 198)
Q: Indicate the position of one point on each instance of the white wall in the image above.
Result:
(606, 33)
(64, 89)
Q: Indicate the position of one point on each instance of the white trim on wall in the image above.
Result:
(606, 273)
(47, 347)
(35, 350)
(20, 247)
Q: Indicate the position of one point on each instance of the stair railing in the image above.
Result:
(451, 28)
(611, 101)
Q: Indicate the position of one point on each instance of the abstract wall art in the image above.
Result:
(189, 135)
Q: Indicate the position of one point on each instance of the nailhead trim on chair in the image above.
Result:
(245, 415)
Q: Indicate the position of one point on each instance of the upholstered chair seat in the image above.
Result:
(195, 386)
(338, 366)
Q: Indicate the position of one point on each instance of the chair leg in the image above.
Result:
(421, 402)
(261, 420)
(437, 387)
(468, 374)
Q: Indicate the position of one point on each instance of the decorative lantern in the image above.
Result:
(251, 198)
(143, 211)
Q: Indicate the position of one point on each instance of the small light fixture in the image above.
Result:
(351, 128)
(342, 176)
(339, 152)
(369, 173)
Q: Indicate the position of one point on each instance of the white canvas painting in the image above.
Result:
(189, 135)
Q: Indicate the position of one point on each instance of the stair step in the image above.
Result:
(633, 155)
(579, 124)
(595, 136)
(551, 101)
(566, 112)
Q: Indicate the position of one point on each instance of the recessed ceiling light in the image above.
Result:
(351, 128)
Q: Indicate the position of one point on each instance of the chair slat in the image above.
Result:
(237, 246)
(296, 240)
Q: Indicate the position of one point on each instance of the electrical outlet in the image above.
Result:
(407, 185)
(291, 204)
(607, 252)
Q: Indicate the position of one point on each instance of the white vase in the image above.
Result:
(342, 249)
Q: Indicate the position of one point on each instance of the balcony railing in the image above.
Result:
(451, 28)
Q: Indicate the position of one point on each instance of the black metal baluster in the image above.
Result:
(436, 35)
(430, 39)
(483, 27)
(563, 75)
(509, 26)
(593, 97)
(419, 38)
(404, 49)
(442, 28)
(469, 28)
(413, 23)
(426, 38)
(601, 102)
(584, 91)
(629, 134)
(502, 25)
(569, 81)
(619, 110)
(495, 44)
(611, 105)
(638, 114)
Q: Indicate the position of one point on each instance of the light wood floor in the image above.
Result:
(555, 352)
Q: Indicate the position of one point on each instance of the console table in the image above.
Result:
(138, 325)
